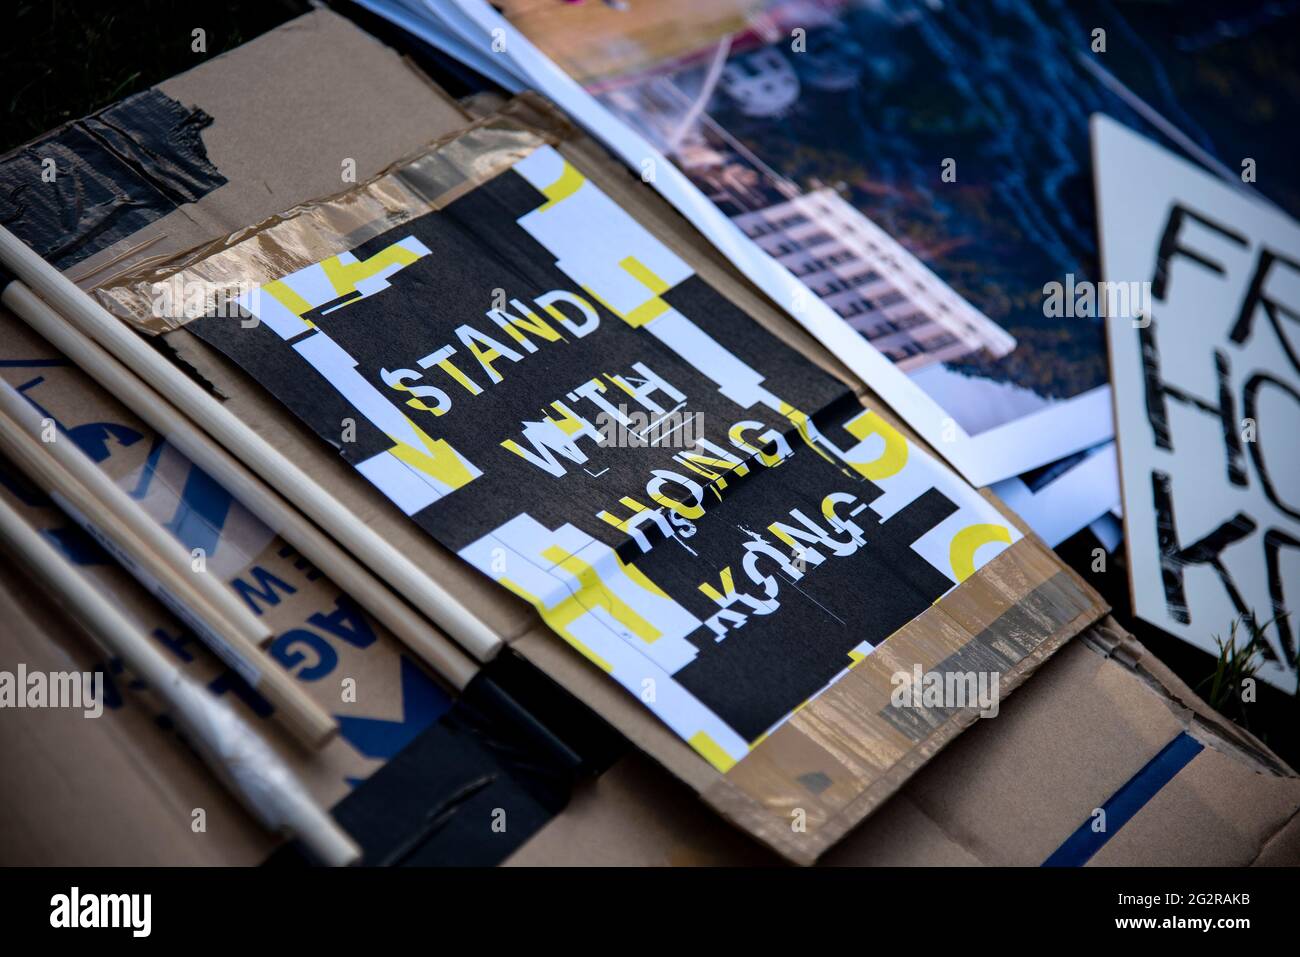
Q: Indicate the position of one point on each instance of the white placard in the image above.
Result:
(1207, 395)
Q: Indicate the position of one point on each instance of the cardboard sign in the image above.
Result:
(837, 757)
(555, 396)
(1207, 395)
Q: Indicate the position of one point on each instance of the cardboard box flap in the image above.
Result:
(1011, 791)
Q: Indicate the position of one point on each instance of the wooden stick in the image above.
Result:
(410, 628)
(443, 608)
(159, 569)
(236, 753)
(132, 513)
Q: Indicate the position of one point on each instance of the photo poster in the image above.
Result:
(1207, 397)
(555, 396)
(816, 138)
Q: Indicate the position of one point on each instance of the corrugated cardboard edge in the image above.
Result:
(1110, 639)
(1283, 848)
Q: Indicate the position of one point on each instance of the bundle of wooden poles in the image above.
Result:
(270, 486)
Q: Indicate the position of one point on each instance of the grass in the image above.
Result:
(1238, 661)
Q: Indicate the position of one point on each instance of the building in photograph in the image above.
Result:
(858, 269)
(871, 281)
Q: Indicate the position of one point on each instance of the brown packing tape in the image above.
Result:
(306, 234)
(849, 748)
(881, 756)
(1040, 769)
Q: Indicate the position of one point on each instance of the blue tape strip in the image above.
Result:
(1080, 846)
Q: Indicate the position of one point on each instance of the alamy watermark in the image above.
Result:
(1083, 299)
(635, 428)
(947, 689)
(133, 912)
(180, 299)
(77, 690)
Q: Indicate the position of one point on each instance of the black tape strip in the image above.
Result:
(543, 713)
(482, 780)
(94, 181)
